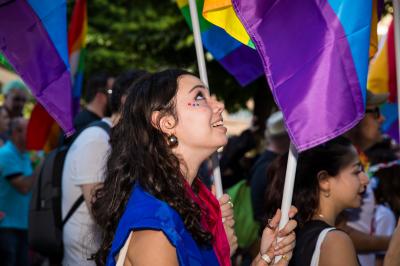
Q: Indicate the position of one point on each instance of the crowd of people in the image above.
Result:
(138, 171)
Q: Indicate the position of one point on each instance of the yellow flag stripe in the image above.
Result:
(222, 14)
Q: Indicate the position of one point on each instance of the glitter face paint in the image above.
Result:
(193, 104)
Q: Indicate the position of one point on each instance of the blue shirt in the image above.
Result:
(144, 212)
(14, 204)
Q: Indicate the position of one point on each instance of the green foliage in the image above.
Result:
(150, 35)
(4, 63)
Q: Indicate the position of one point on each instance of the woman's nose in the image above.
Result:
(364, 178)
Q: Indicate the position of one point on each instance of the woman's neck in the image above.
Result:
(190, 162)
(327, 212)
(189, 168)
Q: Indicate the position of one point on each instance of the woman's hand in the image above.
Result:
(275, 242)
(228, 221)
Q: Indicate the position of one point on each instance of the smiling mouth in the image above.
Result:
(218, 123)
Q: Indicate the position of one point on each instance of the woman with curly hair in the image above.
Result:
(329, 179)
(152, 209)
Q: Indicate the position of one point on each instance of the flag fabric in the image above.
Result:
(36, 47)
(377, 9)
(76, 48)
(222, 14)
(241, 61)
(315, 56)
(382, 79)
(42, 132)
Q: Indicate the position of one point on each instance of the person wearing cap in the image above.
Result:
(15, 96)
(277, 143)
(364, 135)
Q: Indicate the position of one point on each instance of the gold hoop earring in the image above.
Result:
(172, 141)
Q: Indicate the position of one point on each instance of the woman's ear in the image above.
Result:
(166, 123)
(324, 181)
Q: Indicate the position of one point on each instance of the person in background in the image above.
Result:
(278, 143)
(15, 96)
(386, 186)
(4, 125)
(235, 165)
(16, 180)
(365, 135)
(329, 179)
(83, 171)
(96, 96)
(392, 257)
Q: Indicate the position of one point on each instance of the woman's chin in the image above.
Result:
(357, 202)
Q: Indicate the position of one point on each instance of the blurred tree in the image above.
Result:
(150, 35)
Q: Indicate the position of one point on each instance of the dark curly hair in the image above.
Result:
(140, 154)
(331, 157)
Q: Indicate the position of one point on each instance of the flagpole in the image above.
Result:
(203, 76)
(289, 185)
(288, 188)
(396, 18)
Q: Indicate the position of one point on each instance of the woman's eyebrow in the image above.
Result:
(201, 86)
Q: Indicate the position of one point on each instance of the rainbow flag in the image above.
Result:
(315, 56)
(76, 49)
(222, 14)
(241, 61)
(43, 132)
(33, 38)
(377, 7)
(382, 79)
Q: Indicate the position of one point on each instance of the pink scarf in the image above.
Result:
(211, 220)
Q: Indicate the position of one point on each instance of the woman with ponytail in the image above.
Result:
(329, 179)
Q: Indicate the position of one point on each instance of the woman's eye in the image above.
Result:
(199, 96)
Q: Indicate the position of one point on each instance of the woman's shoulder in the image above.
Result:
(338, 242)
(144, 212)
(336, 237)
(306, 241)
(144, 207)
(150, 247)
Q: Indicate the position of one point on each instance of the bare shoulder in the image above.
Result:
(337, 249)
(150, 247)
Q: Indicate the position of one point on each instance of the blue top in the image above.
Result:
(143, 212)
(14, 204)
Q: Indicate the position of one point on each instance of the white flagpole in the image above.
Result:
(203, 76)
(288, 188)
(289, 185)
(396, 7)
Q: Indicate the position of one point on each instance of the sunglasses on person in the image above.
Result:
(376, 112)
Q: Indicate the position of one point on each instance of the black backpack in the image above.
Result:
(45, 215)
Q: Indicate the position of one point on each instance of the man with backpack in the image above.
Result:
(83, 172)
(16, 180)
(97, 98)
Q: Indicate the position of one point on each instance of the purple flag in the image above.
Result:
(33, 38)
(315, 57)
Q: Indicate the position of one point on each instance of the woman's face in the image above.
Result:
(4, 120)
(347, 187)
(200, 124)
